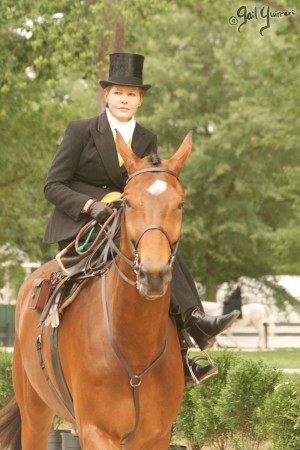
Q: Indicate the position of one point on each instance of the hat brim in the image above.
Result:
(106, 83)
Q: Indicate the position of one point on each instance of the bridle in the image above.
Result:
(135, 263)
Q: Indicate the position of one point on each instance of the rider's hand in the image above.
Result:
(99, 211)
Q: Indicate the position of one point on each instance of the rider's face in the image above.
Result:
(123, 101)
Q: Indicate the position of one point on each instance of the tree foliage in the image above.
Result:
(229, 411)
(234, 90)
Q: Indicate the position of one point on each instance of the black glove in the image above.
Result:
(116, 204)
(99, 211)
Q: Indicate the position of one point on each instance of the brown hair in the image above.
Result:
(108, 88)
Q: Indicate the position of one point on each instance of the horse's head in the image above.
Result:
(153, 209)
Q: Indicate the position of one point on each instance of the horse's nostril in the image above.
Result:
(165, 272)
(154, 275)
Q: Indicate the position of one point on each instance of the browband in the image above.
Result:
(151, 169)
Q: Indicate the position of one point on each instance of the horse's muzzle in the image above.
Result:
(153, 280)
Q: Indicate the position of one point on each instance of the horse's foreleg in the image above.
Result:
(36, 423)
(36, 417)
(93, 439)
(261, 338)
(162, 444)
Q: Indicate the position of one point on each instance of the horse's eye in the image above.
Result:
(127, 203)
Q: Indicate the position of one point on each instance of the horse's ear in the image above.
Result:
(130, 159)
(177, 161)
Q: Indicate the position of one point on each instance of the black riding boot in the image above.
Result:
(203, 328)
(186, 303)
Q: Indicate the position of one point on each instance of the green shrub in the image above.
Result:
(208, 427)
(222, 412)
(6, 389)
(280, 416)
(183, 426)
(247, 385)
(197, 421)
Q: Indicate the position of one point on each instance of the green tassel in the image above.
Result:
(82, 247)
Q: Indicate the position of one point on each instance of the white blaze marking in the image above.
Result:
(157, 188)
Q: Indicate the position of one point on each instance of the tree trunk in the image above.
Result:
(211, 291)
(196, 447)
(114, 42)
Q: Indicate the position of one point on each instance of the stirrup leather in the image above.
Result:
(192, 343)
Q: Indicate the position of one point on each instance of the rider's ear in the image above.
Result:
(177, 161)
(129, 157)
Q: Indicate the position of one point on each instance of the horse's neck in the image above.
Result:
(139, 326)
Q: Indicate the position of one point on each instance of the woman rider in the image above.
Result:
(87, 173)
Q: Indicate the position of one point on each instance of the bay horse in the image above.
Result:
(105, 409)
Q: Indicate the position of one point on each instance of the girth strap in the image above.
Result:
(66, 407)
(58, 372)
(135, 381)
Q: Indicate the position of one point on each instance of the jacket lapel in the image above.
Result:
(137, 144)
(106, 148)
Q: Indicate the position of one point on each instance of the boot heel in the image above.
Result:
(211, 342)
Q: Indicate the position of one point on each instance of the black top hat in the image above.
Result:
(125, 69)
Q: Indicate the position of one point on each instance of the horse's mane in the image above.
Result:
(154, 159)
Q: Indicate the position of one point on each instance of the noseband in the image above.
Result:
(134, 245)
